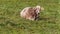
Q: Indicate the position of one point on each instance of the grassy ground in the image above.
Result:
(12, 23)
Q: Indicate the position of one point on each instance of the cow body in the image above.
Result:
(30, 13)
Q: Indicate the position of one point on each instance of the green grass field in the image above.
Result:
(12, 23)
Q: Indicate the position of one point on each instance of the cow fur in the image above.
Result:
(30, 13)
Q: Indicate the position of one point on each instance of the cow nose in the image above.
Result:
(38, 13)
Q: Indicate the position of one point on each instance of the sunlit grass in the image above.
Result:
(12, 23)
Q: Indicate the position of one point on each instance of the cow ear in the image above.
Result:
(35, 9)
(42, 8)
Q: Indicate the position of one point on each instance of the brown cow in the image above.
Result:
(31, 13)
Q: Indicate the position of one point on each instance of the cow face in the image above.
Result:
(38, 9)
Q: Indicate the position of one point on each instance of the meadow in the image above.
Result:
(12, 23)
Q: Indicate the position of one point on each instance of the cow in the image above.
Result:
(31, 13)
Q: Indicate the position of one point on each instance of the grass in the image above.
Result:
(12, 23)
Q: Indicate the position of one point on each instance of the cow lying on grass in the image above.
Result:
(31, 13)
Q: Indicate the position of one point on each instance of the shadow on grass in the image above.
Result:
(48, 20)
(42, 18)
